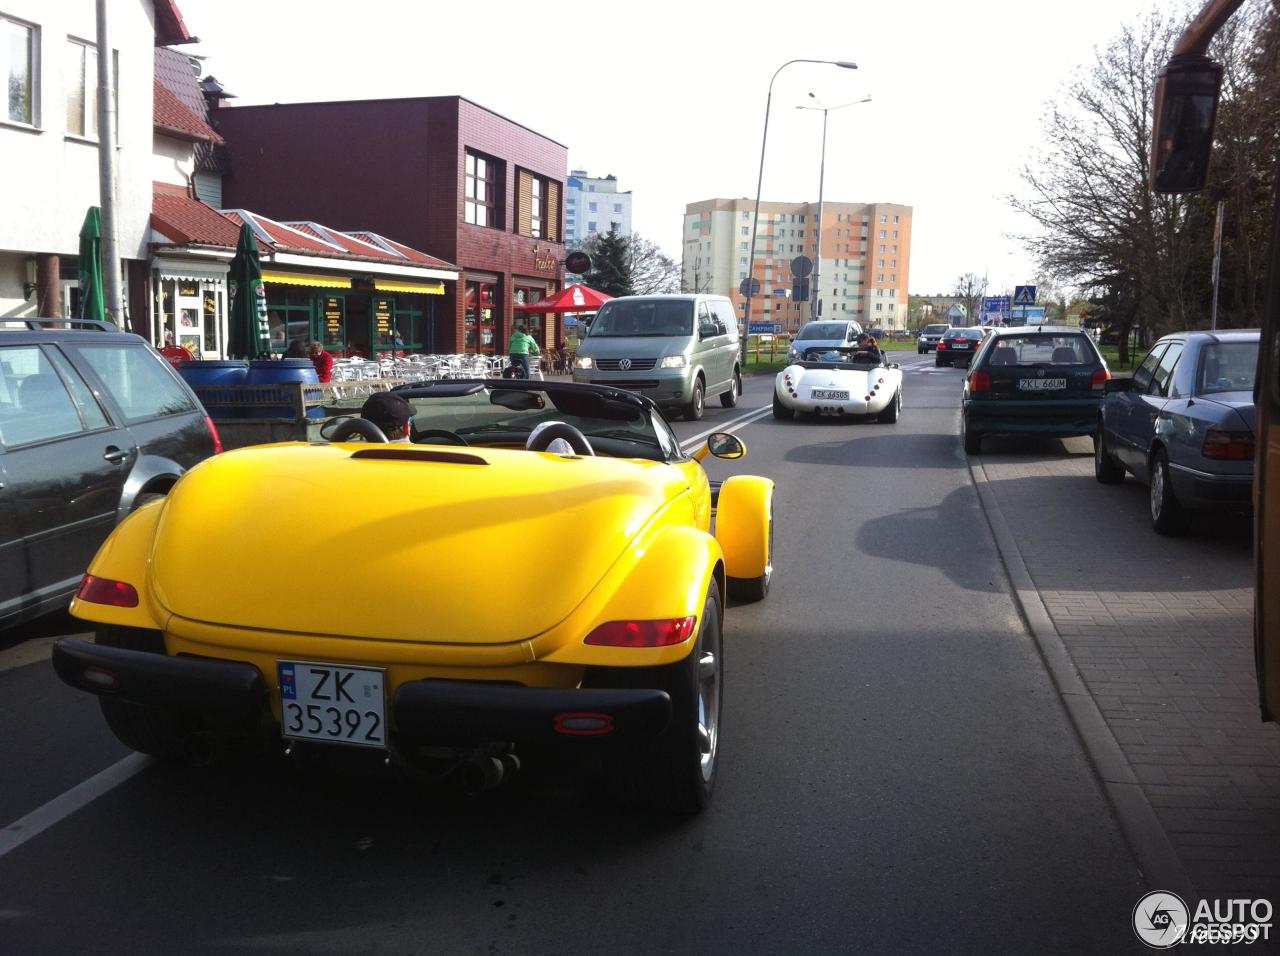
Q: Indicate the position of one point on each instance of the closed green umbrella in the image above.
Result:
(91, 304)
(250, 332)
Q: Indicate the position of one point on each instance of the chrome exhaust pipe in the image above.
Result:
(478, 774)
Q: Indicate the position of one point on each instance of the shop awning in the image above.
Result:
(168, 269)
(301, 278)
(392, 285)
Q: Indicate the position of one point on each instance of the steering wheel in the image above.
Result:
(548, 432)
(347, 427)
(452, 438)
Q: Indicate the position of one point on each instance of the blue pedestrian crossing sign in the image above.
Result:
(1024, 295)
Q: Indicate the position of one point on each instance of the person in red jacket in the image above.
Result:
(323, 362)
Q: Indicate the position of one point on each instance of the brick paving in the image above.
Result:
(1160, 631)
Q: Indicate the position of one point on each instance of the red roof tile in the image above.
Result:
(170, 30)
(174, 117)
(413, 255)
(184, 220)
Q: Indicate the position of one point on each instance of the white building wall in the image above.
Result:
(50, 178)
(173, 161)
(604, 193)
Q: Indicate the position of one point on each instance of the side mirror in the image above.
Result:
(725, 445)
(1114, 385)
(1186, 105)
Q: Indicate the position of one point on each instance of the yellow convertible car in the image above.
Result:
(540, 570)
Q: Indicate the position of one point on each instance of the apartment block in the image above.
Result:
(594, 204)
(862, 272)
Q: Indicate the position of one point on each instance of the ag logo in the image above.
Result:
(1160, 919)
(625, 364)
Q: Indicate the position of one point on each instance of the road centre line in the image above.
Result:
(728, 426)
(78, 797)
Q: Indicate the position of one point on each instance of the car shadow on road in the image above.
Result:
(941, 536)
(57, 624)
(862, 447)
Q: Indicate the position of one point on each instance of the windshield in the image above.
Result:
(1227, 367)
(823, 330)
(501, 416)
(643, 317)
(846, 357)
(934, 329)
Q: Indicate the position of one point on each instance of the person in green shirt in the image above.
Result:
(519, 347)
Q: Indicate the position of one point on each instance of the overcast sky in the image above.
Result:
(670, 96)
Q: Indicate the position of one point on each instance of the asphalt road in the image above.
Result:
(897, 775)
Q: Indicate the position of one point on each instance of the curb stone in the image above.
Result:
(1142, 830)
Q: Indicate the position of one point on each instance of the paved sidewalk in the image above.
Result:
(1159, 630)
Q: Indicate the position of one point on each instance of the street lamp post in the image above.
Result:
(751, 257)
(822, 174)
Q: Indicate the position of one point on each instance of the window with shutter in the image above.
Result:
(552, 216)
(524, 203)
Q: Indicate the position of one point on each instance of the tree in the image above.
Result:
(610, 270)
(652, 270)
(969, 290)
(1144, 258)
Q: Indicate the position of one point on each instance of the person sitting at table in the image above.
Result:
(322, 360)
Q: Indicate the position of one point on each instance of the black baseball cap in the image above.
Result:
(386, 410)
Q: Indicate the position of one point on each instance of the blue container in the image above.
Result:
(267, 372)
(217, 375)
(222, 372)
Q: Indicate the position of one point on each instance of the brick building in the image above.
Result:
(440, 173)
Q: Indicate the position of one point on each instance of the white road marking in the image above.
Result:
(78, 797)
(28, 652)
(728, 426)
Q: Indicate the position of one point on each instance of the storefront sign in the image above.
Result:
(189, 290)
(543, 259)
(333, 315)
(383, 315)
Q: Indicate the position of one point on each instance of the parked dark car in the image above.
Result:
(93, 423)
(1184, 424)
(1037, 381)
(928, 338)
(958, 345)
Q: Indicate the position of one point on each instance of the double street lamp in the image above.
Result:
(822, 172)
(749, 287)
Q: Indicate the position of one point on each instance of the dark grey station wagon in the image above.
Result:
(93, 423)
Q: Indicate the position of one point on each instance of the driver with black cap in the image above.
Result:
(391, 413)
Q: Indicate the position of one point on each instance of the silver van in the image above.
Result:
(674, 349)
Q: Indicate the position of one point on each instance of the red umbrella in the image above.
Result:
(576, 298)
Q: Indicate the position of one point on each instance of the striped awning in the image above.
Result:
(301, 278)
(393, 285)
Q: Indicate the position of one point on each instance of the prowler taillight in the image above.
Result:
(105, 591)
(643, 633)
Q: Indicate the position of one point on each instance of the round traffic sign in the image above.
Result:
(749, 286)
(801, 266)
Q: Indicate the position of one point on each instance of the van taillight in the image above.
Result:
(979, 382)
(1098, 382)
(213, 432)
(1228, 446)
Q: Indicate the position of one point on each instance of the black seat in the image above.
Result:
(1004, 355)
(1064, 355)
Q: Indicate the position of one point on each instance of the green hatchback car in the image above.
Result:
(1039, 380)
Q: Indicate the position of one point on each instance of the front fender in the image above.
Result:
(126, 556)
(744, 513)
(665, 577)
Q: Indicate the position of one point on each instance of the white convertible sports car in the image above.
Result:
(839, 382)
